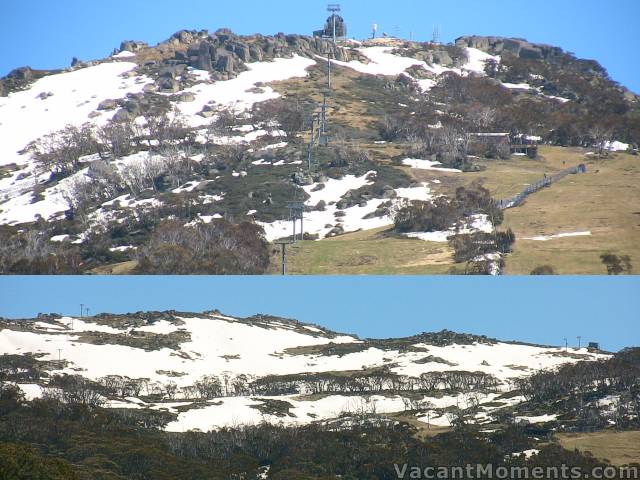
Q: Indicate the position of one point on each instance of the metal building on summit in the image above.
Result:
(327, 31)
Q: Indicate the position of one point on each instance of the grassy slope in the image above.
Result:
(605, 201)
(576, 203)
(369, 252)
(619, 448)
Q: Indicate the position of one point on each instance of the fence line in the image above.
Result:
(518, 199)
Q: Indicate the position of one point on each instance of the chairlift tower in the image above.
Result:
(296, 212)
(283, 247)
(323, 138)
(333, 8)
(329, 69)
(312, 140)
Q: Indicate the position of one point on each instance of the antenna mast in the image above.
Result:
(435, 38)
(333, 8)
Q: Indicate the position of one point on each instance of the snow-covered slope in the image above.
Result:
(29, 114)
(181, 349)
(383, 61)
(252, 159)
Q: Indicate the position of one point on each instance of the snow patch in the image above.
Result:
(544, 238)
(427, 165)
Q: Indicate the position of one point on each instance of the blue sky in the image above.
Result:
(540, 310)
(47, 34)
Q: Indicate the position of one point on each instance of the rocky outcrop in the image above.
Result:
(517, 46)
(131, 46)
(17, 79)
(226, 53)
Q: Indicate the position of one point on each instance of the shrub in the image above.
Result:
(442, 214)
(60, 152)
(543, 270)
(219, 247)
(615, 264)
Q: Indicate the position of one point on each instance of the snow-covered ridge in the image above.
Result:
(179, 349)
(382, 61)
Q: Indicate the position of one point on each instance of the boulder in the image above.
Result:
(207, 111)
(133, 107)
(442, 57)
(301, 178)
(172, 71)
(337, 230)
(108, 104)
(184, 36)
(255, 53)
(225, 63)
(132, 46)
(242, 51)
(122, 115)
(206, 56)
(168, 84)
(530, 52)
(389, 194)
(186, 97)
(22, 74)
(224, 35)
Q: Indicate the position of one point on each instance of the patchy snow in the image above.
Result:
(526, 453)
(122, 248)
(235, 411)
(161, 327)
(517, 86)
(616, 146)
(381, 62)
(258, 349)
(234, 93)
(188, 187)
(24, 117)
(274, 146)
(537, 419)
(477, 60)
(124, 54)
(59, 238)
(334, 189)
(31, 390)
(560, 99)
(22, 206)
(321, 222)
(479, 223)
(427, 165)
(544, 238)
(224, 345)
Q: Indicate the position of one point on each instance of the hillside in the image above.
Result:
(282, 385)
(211, 370)
(104, 163)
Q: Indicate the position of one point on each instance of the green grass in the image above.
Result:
(370, 252)
(619, 448)
(604, 201)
